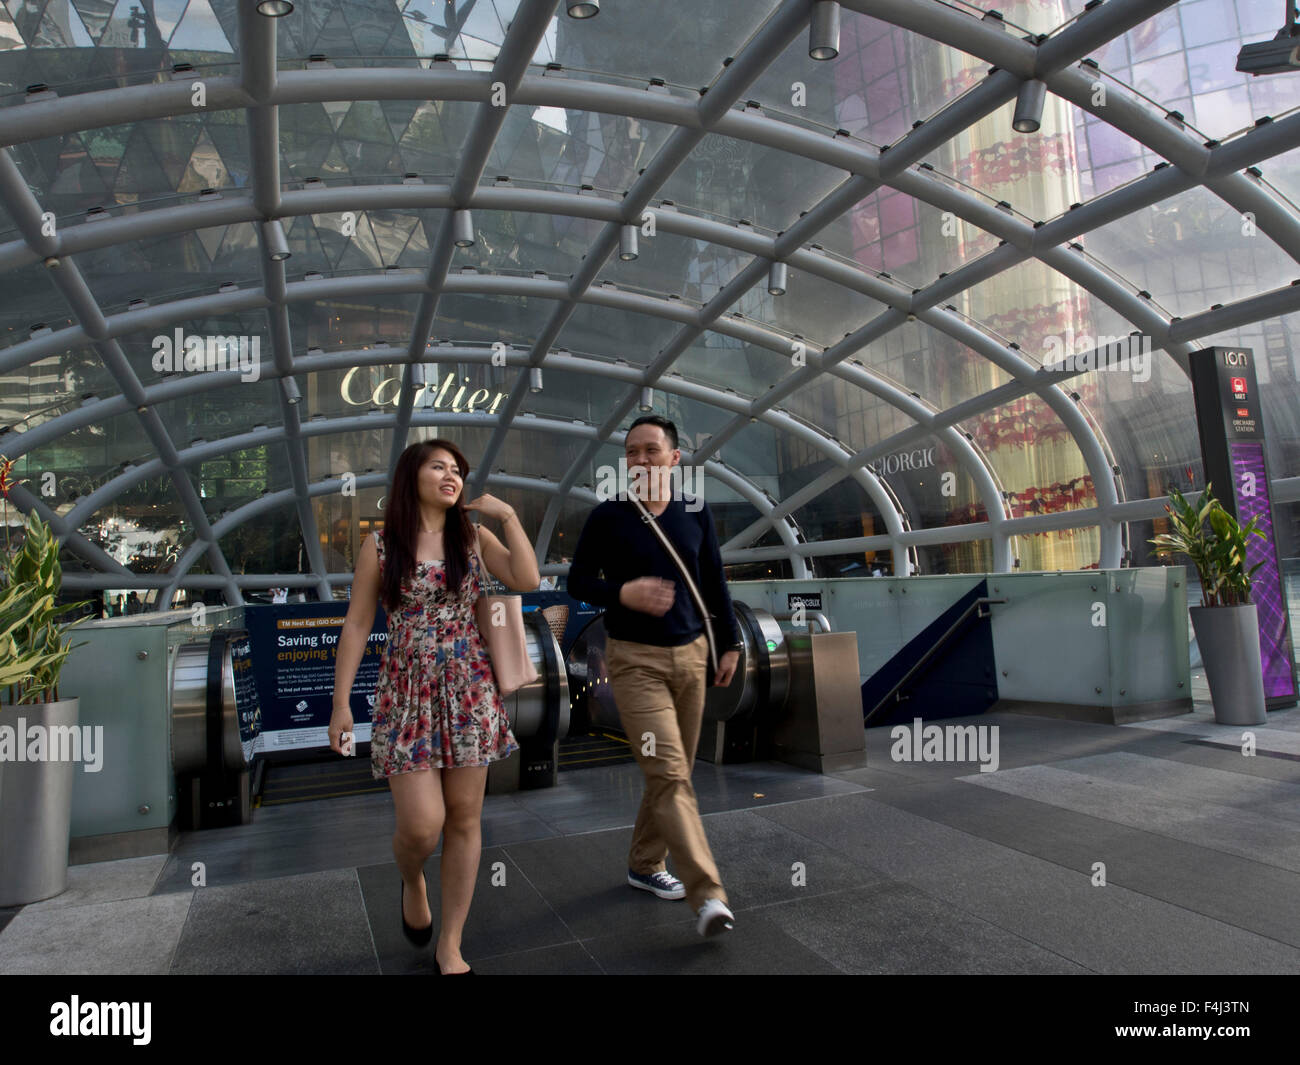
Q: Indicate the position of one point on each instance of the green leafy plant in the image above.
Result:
(33, 642)
(1214, 542)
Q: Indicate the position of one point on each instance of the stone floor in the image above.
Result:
(898, 867)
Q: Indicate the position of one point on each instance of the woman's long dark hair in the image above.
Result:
(402, 523)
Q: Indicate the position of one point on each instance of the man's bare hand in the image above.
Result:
(648, 595)
(726, 669)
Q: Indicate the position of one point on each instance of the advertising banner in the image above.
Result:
(293, 651)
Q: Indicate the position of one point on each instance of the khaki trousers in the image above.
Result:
(660, 696)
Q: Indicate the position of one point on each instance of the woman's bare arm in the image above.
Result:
(357, 624)
(513, 563)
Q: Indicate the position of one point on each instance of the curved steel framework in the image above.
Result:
(261, 88)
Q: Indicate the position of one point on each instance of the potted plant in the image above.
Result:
(1226, 624)
(35, 724)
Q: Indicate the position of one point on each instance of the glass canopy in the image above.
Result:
(839, 277)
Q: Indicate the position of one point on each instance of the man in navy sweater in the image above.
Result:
(656, 654)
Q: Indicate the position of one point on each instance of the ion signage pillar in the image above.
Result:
(1230, 419)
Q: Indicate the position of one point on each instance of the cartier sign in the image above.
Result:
(388, 392)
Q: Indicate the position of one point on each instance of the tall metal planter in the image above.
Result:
(36, 808)
(1228, 637)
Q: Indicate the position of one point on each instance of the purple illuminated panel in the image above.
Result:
(1266, 589)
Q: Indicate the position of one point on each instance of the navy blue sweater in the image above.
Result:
(617, 543)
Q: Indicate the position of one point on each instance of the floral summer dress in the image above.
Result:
(436, 702)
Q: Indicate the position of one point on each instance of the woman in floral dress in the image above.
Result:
(436, 704)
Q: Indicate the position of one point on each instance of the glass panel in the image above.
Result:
(141, 161)
(159, 269)
(1042, 471)
(573, 515)
(734, 179)
(974, 556)
(1145, 414)
(844, 511)
(145, 529)
(586, 396)
(84, 460)
(483, 318)
(934, 365)
(30, 298)
(538, 454)
(1220, 257)
(932, 487)
(238, 477)
(907, 238)
(220, 412)
(1192, 47)
(725, 362)
(518, 241)
(356, 142)
(812, 307)
(1036, 173)
(354, 322)
(358, 451)
(223, 344)
(696, 422)
(1283, 173)
(644, 41)
(638, 338)
(52, 386)
(570, 148)
(1030, 304)
(883, 80)
(693, 269)
(764, 455)
(1036, 16)
(269, 542)
(344, 30)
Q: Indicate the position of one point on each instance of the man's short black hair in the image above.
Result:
(670, 430)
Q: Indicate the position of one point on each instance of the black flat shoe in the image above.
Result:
(419, 937)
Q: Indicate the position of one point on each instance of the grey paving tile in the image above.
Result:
(893, 928)
(1106, 929)
(584, 878)
(504, 918)
(309, 924)
(127, 937)
(318, 836)
(877, 778)
(1196, 784)
(757, 945)
(1259, 898)
(1281, 732)
(1206, 753)
(752, 785)
(1021, 740)
(127, 878)
(1247, 833)
(598, 799)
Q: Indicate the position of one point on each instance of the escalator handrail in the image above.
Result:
(975, 605)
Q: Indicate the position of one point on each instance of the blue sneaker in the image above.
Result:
(662, 883)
